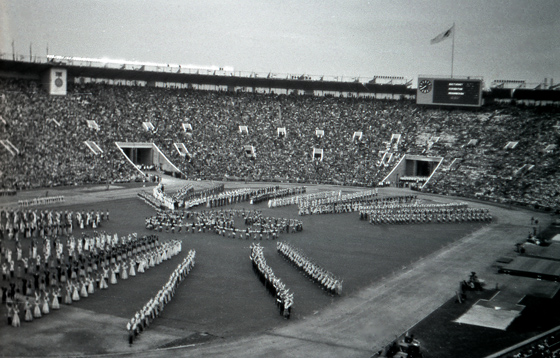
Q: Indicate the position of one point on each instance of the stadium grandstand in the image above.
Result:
(113, 118)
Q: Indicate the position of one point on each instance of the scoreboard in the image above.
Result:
(449, 92)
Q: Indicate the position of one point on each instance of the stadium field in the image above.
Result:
(223, 309)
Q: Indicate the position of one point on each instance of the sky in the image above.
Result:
(497, 39)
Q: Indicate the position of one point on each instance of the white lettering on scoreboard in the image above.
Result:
(449, 92)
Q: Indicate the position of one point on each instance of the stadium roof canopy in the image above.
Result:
(35, 69)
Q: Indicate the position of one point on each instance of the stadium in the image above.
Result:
(152, 208)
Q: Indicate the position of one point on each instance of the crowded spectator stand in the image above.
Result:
(49, 133)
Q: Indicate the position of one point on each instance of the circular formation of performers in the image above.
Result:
(284, 299)
(152, 309)
(326, 279)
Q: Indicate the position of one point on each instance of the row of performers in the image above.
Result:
(202, 227)
(234, 196)
(353, 205)
(135, 257)
(49, 298)
(335, 208)
(277, 193)
(297, 199)
(415, 207)
(459, 209)
(84, 247)
(425, 217)
(35, 216)
(361, 196)
(71, 245)
(21, 224)
(284, 299)
(326, 279)
(220, 199)
(200, 193)
(155, 305)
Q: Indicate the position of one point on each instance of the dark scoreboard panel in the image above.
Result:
(449, 92)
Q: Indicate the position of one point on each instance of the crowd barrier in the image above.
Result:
(41, 201)
(7, 192)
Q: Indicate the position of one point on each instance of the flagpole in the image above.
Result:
(452, 50)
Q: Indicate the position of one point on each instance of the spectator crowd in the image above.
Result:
(361, 139)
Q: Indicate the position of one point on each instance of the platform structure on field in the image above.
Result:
(540, 268)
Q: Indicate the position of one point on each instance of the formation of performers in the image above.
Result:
(284, 299)
(223, 222)
(201, 194)
(183, 192)
(295, 200)
(161, 196)
(214, 197)
(277, 193)
(324, 278)
(152, 309)
(351, 203)
(414, 214)
(26, 223)
(76, 271)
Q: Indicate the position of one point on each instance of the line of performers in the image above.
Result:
(295, 200)
(202, 194)
(183, 192)
(351, 203)
(327, 280)
(222, 222)
(284, 299)
(277, 193)
(412, 206)
(237, 196)
(426, 215)
(338, 197)
(19, 224)
(152, 309)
